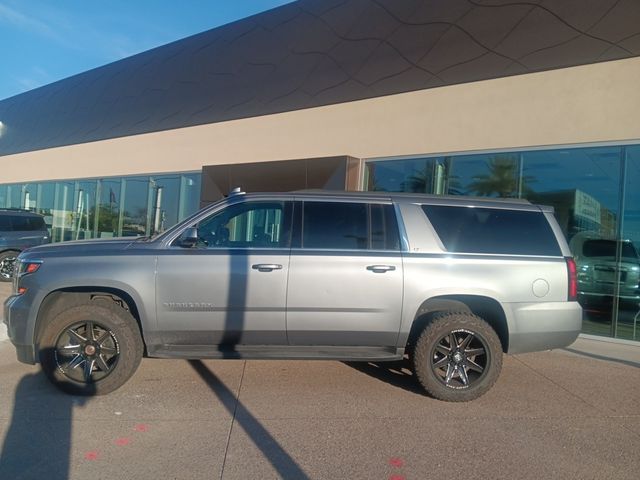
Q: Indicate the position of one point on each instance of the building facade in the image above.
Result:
(535, 100)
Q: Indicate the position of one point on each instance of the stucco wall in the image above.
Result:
(585, 104)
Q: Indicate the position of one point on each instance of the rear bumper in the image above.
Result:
(543, 326)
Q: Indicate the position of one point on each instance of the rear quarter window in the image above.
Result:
(492, 230)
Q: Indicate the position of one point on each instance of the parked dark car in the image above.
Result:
(19, 230)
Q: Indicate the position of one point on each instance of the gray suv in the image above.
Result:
(449, 282)
(19, 230)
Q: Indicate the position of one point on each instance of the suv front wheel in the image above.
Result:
(457, 357)
(91, 349)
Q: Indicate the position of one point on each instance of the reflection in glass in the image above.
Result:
(61, 225)
(418, 175)
(13, 196)
(83, 225)
(137, 198)
(106, 208)
(45, 202)
(108, 211)
(165, 201)
(628, 325)
(189, 195)
(583, 186)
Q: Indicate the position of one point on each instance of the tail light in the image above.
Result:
(573, 279)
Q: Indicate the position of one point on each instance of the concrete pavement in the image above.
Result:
(560, 414)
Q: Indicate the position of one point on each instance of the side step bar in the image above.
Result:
(268, 352)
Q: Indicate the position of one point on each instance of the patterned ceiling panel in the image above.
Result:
(318, 52)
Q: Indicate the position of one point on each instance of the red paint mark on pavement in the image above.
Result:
(396, 462)
(93, 455)
(121, 442)
(396, 477)
(141, 427)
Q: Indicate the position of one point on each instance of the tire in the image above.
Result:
(462, 373)
(83, 364)
(7, 261)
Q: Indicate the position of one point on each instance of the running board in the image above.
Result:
(267, 352)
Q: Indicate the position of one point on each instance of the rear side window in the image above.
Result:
(384, 228)
(5, 223)
(349, 226)
(492, 230)
(23, 223)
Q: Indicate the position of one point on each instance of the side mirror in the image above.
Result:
(189, 237)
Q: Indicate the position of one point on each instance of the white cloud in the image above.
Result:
(20, 20)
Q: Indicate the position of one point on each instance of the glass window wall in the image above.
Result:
(628, 294)
(596, 200)
(109, 207)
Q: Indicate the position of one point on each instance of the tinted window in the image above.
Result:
(349, 226)
(247, 225)
(384, 228)
(27, 224)
(491, 230)
(5, 223)
(335, 225)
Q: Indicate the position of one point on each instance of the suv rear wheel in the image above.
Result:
(91, 349)
(457, 357)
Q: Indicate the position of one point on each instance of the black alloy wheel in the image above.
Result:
(87, 352)
(91, 348)
(460, 359)
(457, 357)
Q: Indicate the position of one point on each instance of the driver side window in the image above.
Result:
(247, 225)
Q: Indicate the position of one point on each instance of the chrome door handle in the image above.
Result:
(381, 268)
(266, 267)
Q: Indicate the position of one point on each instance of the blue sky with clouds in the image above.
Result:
(43, 41)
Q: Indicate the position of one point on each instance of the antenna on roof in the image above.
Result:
(236, 191)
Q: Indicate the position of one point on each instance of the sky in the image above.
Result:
(42, 41)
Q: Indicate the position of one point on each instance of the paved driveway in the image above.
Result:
(551, 415)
